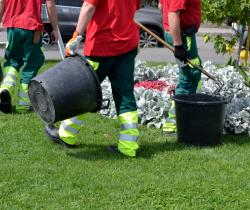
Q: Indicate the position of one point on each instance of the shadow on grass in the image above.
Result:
(236, 139)
(94, 152)
(146, 150)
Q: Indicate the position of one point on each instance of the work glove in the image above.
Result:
(73, 44)
(180, 55)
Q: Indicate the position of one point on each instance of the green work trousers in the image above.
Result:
(120, 71)
(189, 77)
(21, 51)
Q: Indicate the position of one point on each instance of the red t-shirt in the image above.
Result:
(112, 30)
(190, 12)
(25, 14)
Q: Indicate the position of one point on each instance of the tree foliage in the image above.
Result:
(220, 10)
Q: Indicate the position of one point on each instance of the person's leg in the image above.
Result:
(169, 127)
(67, 134)
(13, 57)
(33, 59)
(189, 78)
(122, 82)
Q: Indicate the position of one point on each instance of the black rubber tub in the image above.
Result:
(199, 118)
(66, 90)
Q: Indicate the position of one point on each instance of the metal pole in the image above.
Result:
(45, 18)
(60, 44)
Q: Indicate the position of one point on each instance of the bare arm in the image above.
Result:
(87, 12)
(174, 26)
(2, 5)
(51, 8)
(160, 6)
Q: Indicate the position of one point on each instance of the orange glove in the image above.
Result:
(73, 44)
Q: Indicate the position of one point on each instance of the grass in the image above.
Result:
(37, 174)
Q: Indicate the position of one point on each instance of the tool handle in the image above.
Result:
(170, 47)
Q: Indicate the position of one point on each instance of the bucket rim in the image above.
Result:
(221, 101)
(52, 120)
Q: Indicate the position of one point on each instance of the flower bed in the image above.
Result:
(154, 85)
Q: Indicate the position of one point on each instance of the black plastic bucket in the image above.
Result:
(68, 89)
(199, 118)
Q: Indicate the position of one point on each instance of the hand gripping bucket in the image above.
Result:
(199, 118)
(68, 89)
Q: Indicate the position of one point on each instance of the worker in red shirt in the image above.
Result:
(111, 44)
(22, 18)
(181, 21)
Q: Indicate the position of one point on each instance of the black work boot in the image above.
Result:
(53, 133)
(5, 99)
(113, 149)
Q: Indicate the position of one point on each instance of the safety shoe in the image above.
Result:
(113, 149)
(5, 99)
(53, 133)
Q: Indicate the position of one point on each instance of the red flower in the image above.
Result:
(155, 84)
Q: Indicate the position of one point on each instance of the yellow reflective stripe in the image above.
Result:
(6, 45)
(23, 95)
(23, 103)
(10, 76)
(128, 148)
(199, 86)
(170, 120)
(126, 137)
(170, 127)
(171, 111)
(189, 42)
(195, 61)
(69, 128)
(129, 122)
(10, 69)
(134, 132)
(128, 117)
(75, 121)
(65, 134)
(129, 126)
(170, 124)
(94, 64)
(67, 137)
(24, 87)
(72, 125)
(8, 83)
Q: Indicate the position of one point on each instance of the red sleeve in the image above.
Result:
(161, 1)
(176, 5)
(138, 4)
(94, 2)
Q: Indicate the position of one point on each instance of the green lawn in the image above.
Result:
(37, 174)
